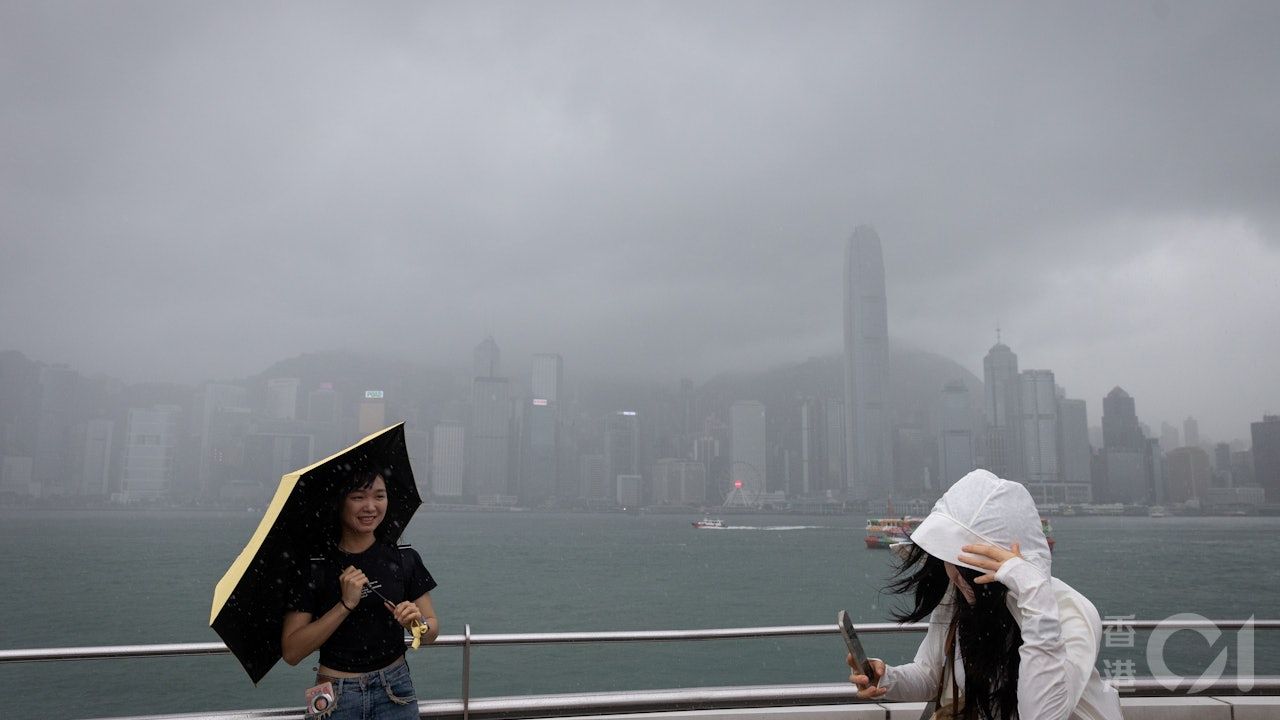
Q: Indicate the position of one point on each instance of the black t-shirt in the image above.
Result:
(369, 638)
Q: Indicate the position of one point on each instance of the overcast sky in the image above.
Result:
(195, 190)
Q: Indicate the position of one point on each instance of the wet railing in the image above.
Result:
(644, 701)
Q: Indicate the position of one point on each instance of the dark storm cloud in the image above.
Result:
(195, 190)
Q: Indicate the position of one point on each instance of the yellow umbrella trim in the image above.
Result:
(238, 568)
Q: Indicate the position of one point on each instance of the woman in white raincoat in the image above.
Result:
(1005, 639)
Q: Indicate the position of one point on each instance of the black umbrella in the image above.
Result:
(249, 600)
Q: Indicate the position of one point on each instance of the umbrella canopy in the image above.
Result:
(249, 600)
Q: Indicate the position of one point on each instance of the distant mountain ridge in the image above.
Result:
(916, 379)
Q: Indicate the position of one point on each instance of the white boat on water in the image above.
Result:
(1157, 512)
(708, 523)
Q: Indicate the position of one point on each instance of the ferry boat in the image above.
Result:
(883, 532)
(708, 523)
(1157, 512)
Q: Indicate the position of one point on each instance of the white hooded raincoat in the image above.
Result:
(1057, 677)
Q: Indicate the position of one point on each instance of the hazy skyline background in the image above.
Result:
(196, 190)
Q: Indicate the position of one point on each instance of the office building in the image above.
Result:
(448, 460)
(1074, 454)
(489, 442)
(836, 473)
(622, 449)
(371, 415)
(540, 456)
(1128, 455)
(629, 491)
(97, 462)
(956, 437)
(679, 482)
(547, 377)
(1190, 432)
(593, 469)
(1266, 456)
(1039, 407)
(150, 462)
(1002, 390)
(282, 398)
(868, 442)
(486, 359)
(1188, 474)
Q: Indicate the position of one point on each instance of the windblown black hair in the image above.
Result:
(986, 633)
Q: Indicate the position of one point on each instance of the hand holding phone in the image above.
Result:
(861, 662)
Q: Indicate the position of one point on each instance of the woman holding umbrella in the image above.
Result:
(360, 597)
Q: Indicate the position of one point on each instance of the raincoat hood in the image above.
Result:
(981, 508)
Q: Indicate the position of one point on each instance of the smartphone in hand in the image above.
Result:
(851, 641)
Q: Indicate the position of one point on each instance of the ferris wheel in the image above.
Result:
(748, 486)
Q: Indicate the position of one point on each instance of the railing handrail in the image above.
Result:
(121, 652)
(692, 699)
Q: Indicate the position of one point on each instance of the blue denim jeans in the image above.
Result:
(385, 694)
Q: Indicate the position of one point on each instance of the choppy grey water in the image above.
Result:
(73, 578)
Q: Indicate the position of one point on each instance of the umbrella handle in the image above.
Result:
(418, 628)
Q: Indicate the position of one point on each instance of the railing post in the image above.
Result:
(466, 671)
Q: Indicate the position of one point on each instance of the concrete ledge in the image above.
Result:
(1247, 707)
(861, 711)
(1136, 708)
(1180, 708)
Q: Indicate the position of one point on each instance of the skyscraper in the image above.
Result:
(541, 471)
(1039, 400)
(1190, 432)
(956, 436)
(1003, 409)
(1266, 455)
(150, 461)
(866, 365)
(448, 459)
(1075, 455)
(540, 455)
(488, 444)
(622, 449)
(1126, 450)
(547, 377)
(1189, 473)
(486, 358)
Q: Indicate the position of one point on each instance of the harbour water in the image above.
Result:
(80, 578)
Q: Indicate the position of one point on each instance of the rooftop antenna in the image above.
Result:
(997, 331)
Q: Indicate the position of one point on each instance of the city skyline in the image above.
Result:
(1238, 428)
(182, 201)
(278, 421)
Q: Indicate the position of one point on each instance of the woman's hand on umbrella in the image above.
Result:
(406, 613)
(989, 558)
(352, 582)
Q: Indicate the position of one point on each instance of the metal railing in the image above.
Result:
(688, 699)
(467, 639)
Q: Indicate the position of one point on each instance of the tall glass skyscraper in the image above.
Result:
(1003, 408)
(866, 366)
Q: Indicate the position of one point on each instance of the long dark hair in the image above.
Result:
(986, 632)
